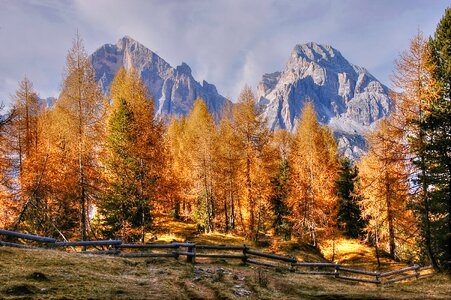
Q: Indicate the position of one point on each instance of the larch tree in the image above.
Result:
(313, 169)
(24, 134)
(79, 111)
(176, 168)
(226, 152)
(24, 122)
(385, 189)
(256, 163)
(413, 77)
(6, 180)
(198, 141)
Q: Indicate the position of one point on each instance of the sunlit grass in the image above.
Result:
(74, 276)
(354, 252)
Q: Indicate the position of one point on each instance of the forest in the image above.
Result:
(103, 166)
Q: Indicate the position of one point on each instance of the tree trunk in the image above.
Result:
(426, 220)
(232, 206)
(376, 245)
(448, 249)
(249, 195)
(226, 215)
(83, 228)
(427, 224)
(391, 227)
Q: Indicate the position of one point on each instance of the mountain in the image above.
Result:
(346, 97)
(47, 102)
(174, 89)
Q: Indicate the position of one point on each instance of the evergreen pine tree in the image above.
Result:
(278, 201)
(134, 158)
(437, 127)
(349, 213)
(123, 205)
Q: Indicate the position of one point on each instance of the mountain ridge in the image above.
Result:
(174, 89)
(346, 97)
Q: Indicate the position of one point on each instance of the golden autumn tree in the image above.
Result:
(227, 162)
(198, 141)
(257, 163)
(133, 159)
(24, 122)
(384, 187)
(313, 169)
(176, 169)
(413, 77)
(77, 119)
(6, 180)
(26, 146)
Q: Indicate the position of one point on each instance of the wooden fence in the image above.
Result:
(243, 253)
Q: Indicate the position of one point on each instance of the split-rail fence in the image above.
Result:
(248, 256)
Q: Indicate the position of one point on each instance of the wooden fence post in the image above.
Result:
(293, 264)
(176, 251)
(191, 249)
(244, 259)
(417, 271)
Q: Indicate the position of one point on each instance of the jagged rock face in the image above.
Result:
(346, 97)
(174, 89)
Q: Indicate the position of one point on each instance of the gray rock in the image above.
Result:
(174, 89)
(346, 97)
(241, 291)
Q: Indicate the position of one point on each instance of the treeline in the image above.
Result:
(92, 166)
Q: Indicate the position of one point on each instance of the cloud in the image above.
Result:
(229, 43)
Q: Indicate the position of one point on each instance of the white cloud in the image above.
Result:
(229, 43)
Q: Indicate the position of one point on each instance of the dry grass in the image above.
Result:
(48, 274)
(355, 253)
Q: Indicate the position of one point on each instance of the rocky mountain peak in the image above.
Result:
(184, 69)
(174, 89)
(315, 52)
(124, 41)
(346, 97)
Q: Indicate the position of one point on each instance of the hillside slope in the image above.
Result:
(48, 274)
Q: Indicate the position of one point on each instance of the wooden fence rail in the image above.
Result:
(188, 249)
(27, 236)
(86, 243)
(403, 270)
(148, 246)
(339, 268)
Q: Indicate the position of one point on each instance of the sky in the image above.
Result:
(230, 43)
